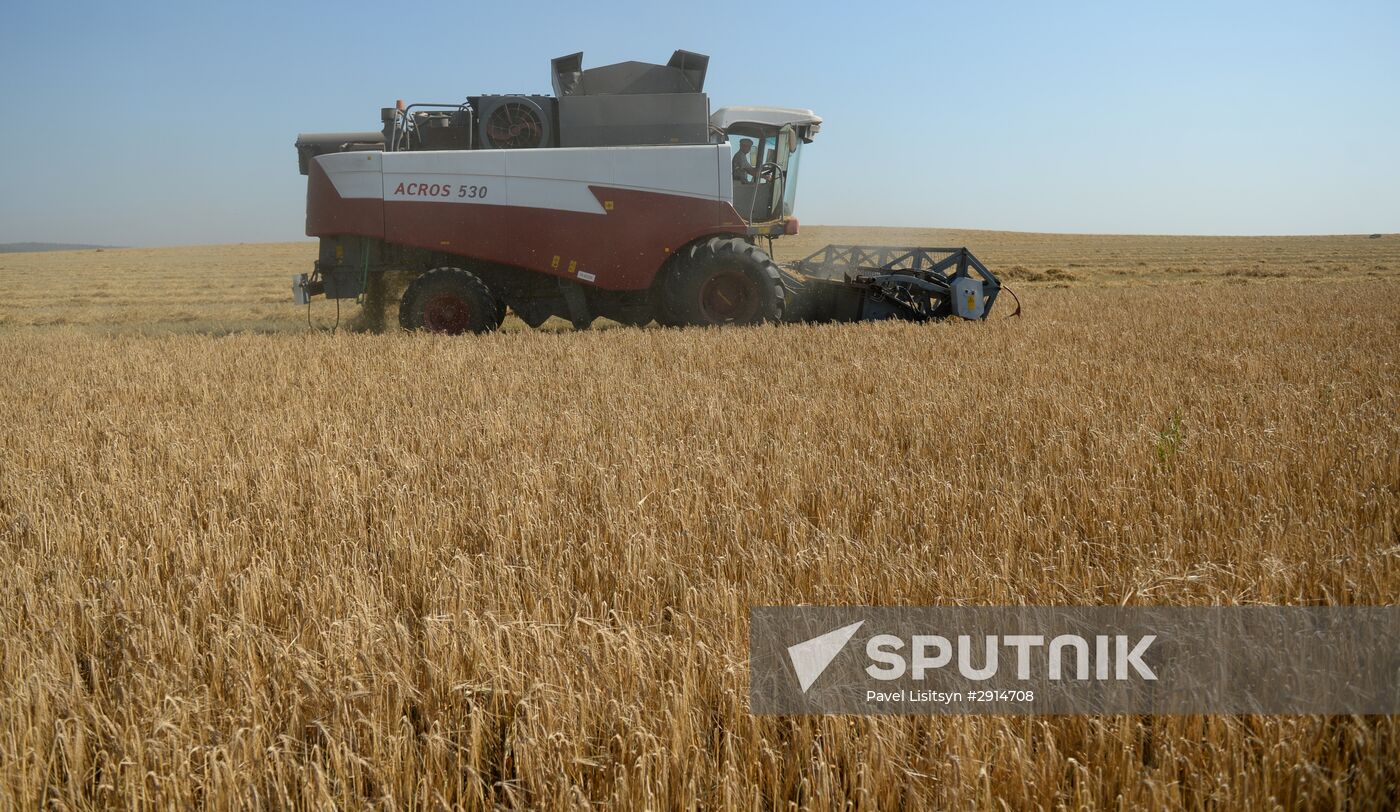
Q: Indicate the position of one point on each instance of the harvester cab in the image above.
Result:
(620, 196)
(766, 143)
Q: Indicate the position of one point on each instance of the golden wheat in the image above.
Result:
(410, 571)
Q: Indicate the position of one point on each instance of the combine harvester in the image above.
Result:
(621, 196)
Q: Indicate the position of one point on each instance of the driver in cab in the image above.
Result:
(744, 171)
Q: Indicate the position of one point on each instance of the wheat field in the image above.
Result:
(251, 564)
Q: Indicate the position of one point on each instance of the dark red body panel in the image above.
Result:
(329, 215)
(623, 248)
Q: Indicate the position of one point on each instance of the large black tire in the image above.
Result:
(452, 301)
(663, 308)
(725, 281)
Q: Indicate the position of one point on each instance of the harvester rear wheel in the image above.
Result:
(727, 281)
(449, 300)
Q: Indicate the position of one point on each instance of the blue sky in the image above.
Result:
(150, 123)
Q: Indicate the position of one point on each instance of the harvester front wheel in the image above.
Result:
(663, 298)
(449, 300)
(727, 281)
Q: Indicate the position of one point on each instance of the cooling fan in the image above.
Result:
(515, 123)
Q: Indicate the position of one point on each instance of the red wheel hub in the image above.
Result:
(447, 313)
(729, 295)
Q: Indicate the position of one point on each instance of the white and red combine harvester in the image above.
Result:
(621, 196)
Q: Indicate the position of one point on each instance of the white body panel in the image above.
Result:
(355, 174)
(533, 178)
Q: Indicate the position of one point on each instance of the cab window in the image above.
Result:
(750, 153)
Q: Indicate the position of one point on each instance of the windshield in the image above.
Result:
(790, 180)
